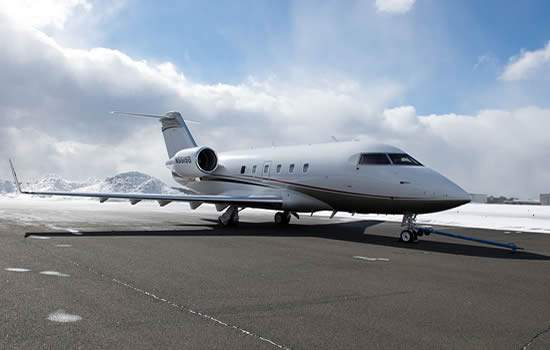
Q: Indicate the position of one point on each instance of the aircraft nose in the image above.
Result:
(451, 192)
(456, 193)
(438, 187)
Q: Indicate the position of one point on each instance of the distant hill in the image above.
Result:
(128, 182)
(6, 187)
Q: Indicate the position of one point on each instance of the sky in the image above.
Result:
(463, 86)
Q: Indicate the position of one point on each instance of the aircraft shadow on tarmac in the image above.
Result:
(349, 231)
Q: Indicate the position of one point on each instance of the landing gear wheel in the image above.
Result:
(230, 217)
(282, 218)
(279, 218)
(233, 222)
(287, 218)
(407, 236)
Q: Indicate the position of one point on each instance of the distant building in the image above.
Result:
(545, 199)
(478, 198)
(511, 200)
(497, 200)
(523, 202)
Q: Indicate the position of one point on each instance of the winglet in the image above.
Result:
(17, 184)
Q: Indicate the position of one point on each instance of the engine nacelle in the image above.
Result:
(195, 162)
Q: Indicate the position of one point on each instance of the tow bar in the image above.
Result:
(428, 230)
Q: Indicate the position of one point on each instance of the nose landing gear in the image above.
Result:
(411, 233)
(407, 236)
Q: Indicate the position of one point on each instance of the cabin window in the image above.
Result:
(291, 168)
(243, 169)
(403, 159)
(374, 159)
(266, 168)
(279, 166)
(254, 169)
(306, 167)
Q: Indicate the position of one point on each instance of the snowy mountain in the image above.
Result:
(6, 187)
(54, 182)
(129, 182)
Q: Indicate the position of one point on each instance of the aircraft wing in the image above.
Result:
(252, 201)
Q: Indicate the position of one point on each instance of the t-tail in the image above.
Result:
(176, 134)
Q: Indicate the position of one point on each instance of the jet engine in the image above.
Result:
(195, 162)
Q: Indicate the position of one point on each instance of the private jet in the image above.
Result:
(354, 177)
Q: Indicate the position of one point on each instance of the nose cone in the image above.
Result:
(457, 194)
(449, 193)
(438, 191)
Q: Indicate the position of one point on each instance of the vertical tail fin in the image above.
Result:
(176, 134)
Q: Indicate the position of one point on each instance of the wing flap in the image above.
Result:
(163, 199)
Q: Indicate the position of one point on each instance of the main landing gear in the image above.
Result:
(282, 218)
(411, 233)
(230, 217)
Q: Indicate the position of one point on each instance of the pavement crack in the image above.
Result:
(146, 293)
(539, 334)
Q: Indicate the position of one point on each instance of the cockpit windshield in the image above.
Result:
(387, 159)
(403, 159)
(374, 159)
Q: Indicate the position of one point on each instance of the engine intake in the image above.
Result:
(207, 160)
(194, 162)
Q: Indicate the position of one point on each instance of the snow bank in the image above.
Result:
(506, 217)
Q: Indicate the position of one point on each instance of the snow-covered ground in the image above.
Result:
(506, 217)
(511, 218)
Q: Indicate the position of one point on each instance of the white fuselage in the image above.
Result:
(327, 176)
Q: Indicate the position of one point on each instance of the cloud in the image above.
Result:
(527, 64)
(394, 6)
(492, 151)
(43, 13)
(54, 101)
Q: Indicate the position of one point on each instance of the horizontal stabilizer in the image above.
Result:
(151, 116)
(176, 134)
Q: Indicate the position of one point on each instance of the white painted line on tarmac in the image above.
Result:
(54, 273)
(63, 245)
(62, 316)
(16, 269)
(369, 259)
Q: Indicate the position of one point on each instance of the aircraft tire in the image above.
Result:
(287, 218)
(406, 236)
(281, 219)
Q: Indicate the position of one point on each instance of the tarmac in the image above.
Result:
(84, 275)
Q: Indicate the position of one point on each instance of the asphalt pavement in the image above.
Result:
(78, 277)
